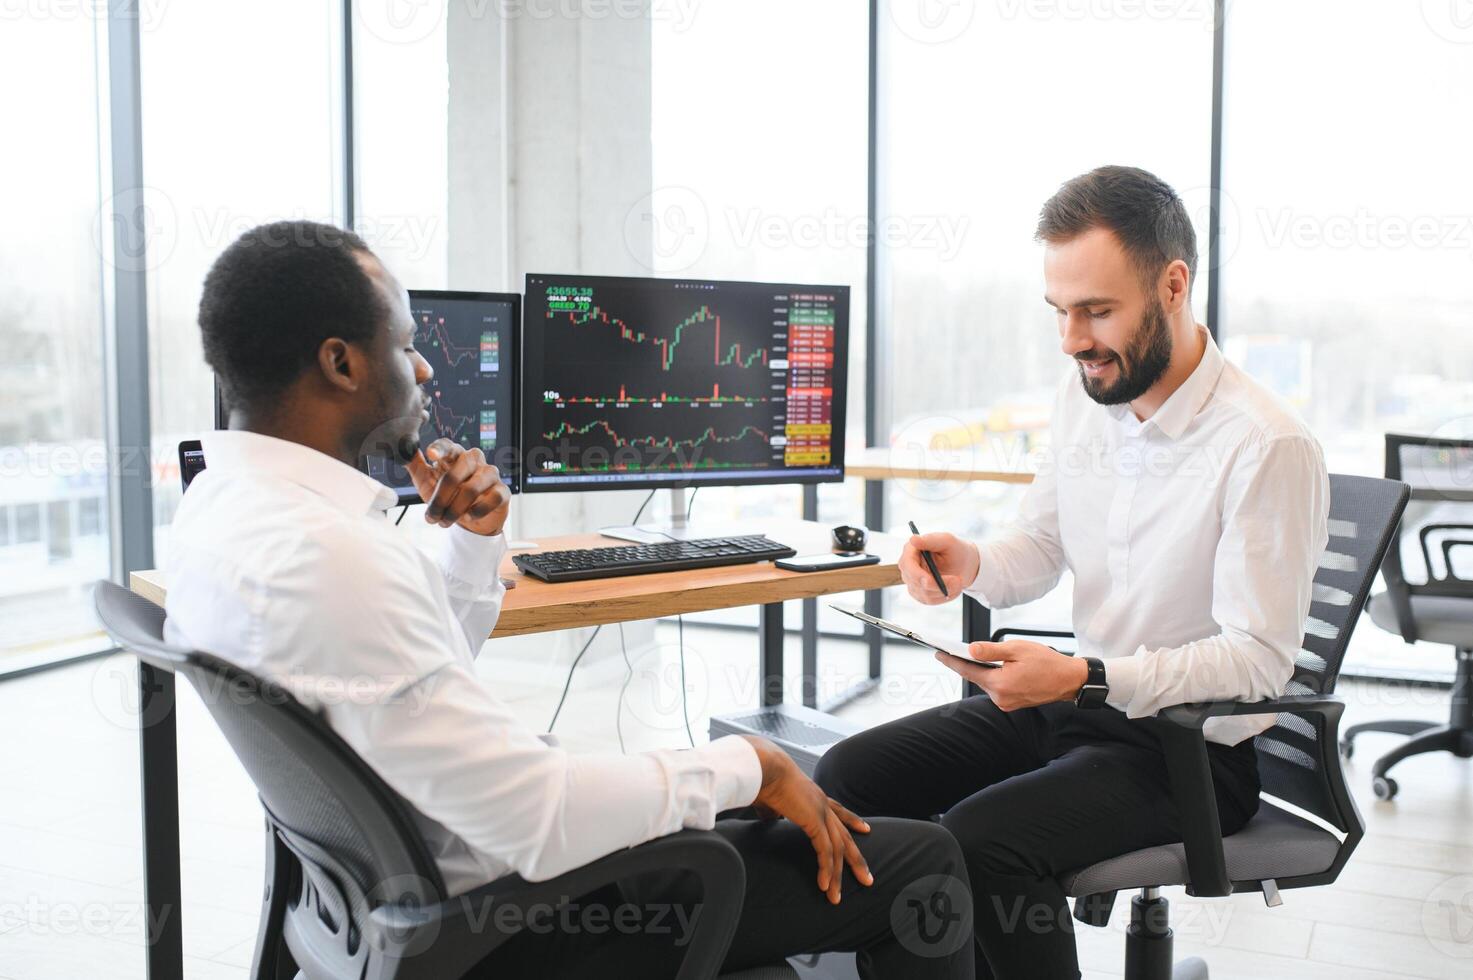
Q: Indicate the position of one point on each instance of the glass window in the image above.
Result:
(1349, 232)
(229, 144)
(89, 517)
(401, 125)
(58, 530)
(51, 326)
(27, 523)
(986, 109)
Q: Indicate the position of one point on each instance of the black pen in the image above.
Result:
(930, 562)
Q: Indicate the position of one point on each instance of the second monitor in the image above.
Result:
(470, 340)
(634, 382)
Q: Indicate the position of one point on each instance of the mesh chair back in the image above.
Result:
(1293, 755)
(327, 805)
(353, 836)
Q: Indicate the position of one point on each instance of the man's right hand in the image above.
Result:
(956, 560)
(787, 792)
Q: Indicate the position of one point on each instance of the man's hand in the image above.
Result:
(787, 792)
(956, 560)
(1031, 673)
(458, 486)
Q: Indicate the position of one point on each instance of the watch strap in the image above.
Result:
(1096, 689)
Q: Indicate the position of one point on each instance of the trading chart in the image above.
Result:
(467, 340)
(464, 348)
(643, 377)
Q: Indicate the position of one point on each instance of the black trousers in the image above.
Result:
(1029, 794)
(915, 921)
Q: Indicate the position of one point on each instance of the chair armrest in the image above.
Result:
(1185, 747)
(1196, 715)
(1422, 536)
(449, 938)
(1448, 544)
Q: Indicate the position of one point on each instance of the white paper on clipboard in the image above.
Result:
(954, 647)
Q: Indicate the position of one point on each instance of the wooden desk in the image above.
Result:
(883, 463)
(533, 606)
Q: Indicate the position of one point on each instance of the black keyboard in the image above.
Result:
(636, 559)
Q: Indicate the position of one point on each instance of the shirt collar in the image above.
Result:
(1182, 406)
(237, 451)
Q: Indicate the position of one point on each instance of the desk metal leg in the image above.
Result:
(158, 769)
(976, 625)
(873, 495)
(810, 666)
(874, 518)
(810, 615)
(771, 629)
(810, 653)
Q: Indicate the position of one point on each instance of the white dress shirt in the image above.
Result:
(282, 562)
(1193, 538)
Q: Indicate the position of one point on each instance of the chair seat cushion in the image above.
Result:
(1438, 619)
(1274, 844)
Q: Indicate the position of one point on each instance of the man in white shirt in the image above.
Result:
(281, 561)
(1190, 505)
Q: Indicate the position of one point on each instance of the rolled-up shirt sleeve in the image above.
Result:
(470, 563)
(1274, 529)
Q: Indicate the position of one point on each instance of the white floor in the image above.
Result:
(70, 859)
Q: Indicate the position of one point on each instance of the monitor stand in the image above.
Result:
(677, 529)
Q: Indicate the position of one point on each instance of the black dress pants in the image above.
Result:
(915, 921)
(1029, 795)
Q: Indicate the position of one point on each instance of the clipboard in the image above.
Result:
(954, 648)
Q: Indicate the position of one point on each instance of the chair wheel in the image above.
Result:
(1384, 787)
(1347, 749)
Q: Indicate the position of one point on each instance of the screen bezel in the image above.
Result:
(514, 455)
(679, 480)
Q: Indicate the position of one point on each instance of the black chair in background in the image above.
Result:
(1297, 763)
(351, 889)
(1438, 609)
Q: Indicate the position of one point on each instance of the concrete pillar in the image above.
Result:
(549, 122)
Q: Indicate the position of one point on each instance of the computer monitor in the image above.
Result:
(471, 341)
(636, 382)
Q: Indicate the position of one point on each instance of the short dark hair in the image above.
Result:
(1140, 208)
(274, 296)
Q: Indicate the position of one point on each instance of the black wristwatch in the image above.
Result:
(1094, 691)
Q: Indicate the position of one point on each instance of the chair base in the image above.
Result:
(1148, 943)
(1455, 737)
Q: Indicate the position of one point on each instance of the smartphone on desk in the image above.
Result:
(826, 561)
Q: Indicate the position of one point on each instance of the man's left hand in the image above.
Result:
(458, 486)
(1031, 673)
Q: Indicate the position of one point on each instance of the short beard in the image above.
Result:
(1142, 364)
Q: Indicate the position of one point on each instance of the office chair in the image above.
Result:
(1297, 763)
(351, 889)
(1438, 610)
